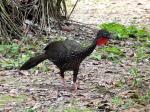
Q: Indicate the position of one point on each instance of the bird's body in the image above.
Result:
(66, 55)
(62, 54)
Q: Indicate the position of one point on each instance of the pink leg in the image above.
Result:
(75, 86)
(75, 79)
(63, 79)
(64, 83)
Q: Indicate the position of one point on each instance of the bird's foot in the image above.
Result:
(74, 93)
(75, 88)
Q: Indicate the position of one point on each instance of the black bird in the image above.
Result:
(67, 55)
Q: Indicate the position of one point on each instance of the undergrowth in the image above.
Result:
(136, 82)
(115, 52)
(123, 32)
(14, 54)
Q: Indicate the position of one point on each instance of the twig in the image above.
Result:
(73, 9)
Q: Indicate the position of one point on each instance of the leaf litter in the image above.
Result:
(105, 85)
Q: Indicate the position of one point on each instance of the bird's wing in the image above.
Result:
(62, 50)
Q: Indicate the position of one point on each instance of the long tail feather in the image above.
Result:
(32, 62)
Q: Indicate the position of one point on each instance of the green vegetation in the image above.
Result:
(137, 95)
(122, 103)
(144, 99)
(110, 52)
(129, 103)
(4, 99)
(118, 30)
(133, 33)
(117, 101)
(14, 54)
(30, 110)
(136, 77)
(113, 52)
(142, 53)
(140, 38)
(96, 56)
(120, 84)
(123, 32)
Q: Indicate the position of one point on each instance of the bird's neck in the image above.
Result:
(88, 50)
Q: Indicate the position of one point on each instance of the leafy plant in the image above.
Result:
(113, 52)
(44, 66)
(141, 53)
(132, 29)
(96, 56)
(30, 110)
(129, 103)
(121, 31)
(120, 84)
(109, 52)
(144, 99)
(142, 33)
(117, 101)
(136, 77)
(134, 72)
(10, 50)
(12, 56)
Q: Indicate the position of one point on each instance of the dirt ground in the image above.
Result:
(122, 11)
(44, 91)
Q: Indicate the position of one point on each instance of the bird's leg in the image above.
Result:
(75, 87)
(63, 79)
(64, 83)
(75, 79)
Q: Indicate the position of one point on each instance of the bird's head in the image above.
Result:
(102, 37)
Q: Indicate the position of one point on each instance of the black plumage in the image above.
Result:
(66, 55)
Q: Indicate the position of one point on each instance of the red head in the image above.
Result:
(102, 37)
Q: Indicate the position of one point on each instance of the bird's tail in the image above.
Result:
(32, 62)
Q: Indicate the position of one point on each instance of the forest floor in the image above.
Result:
(117, 84)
